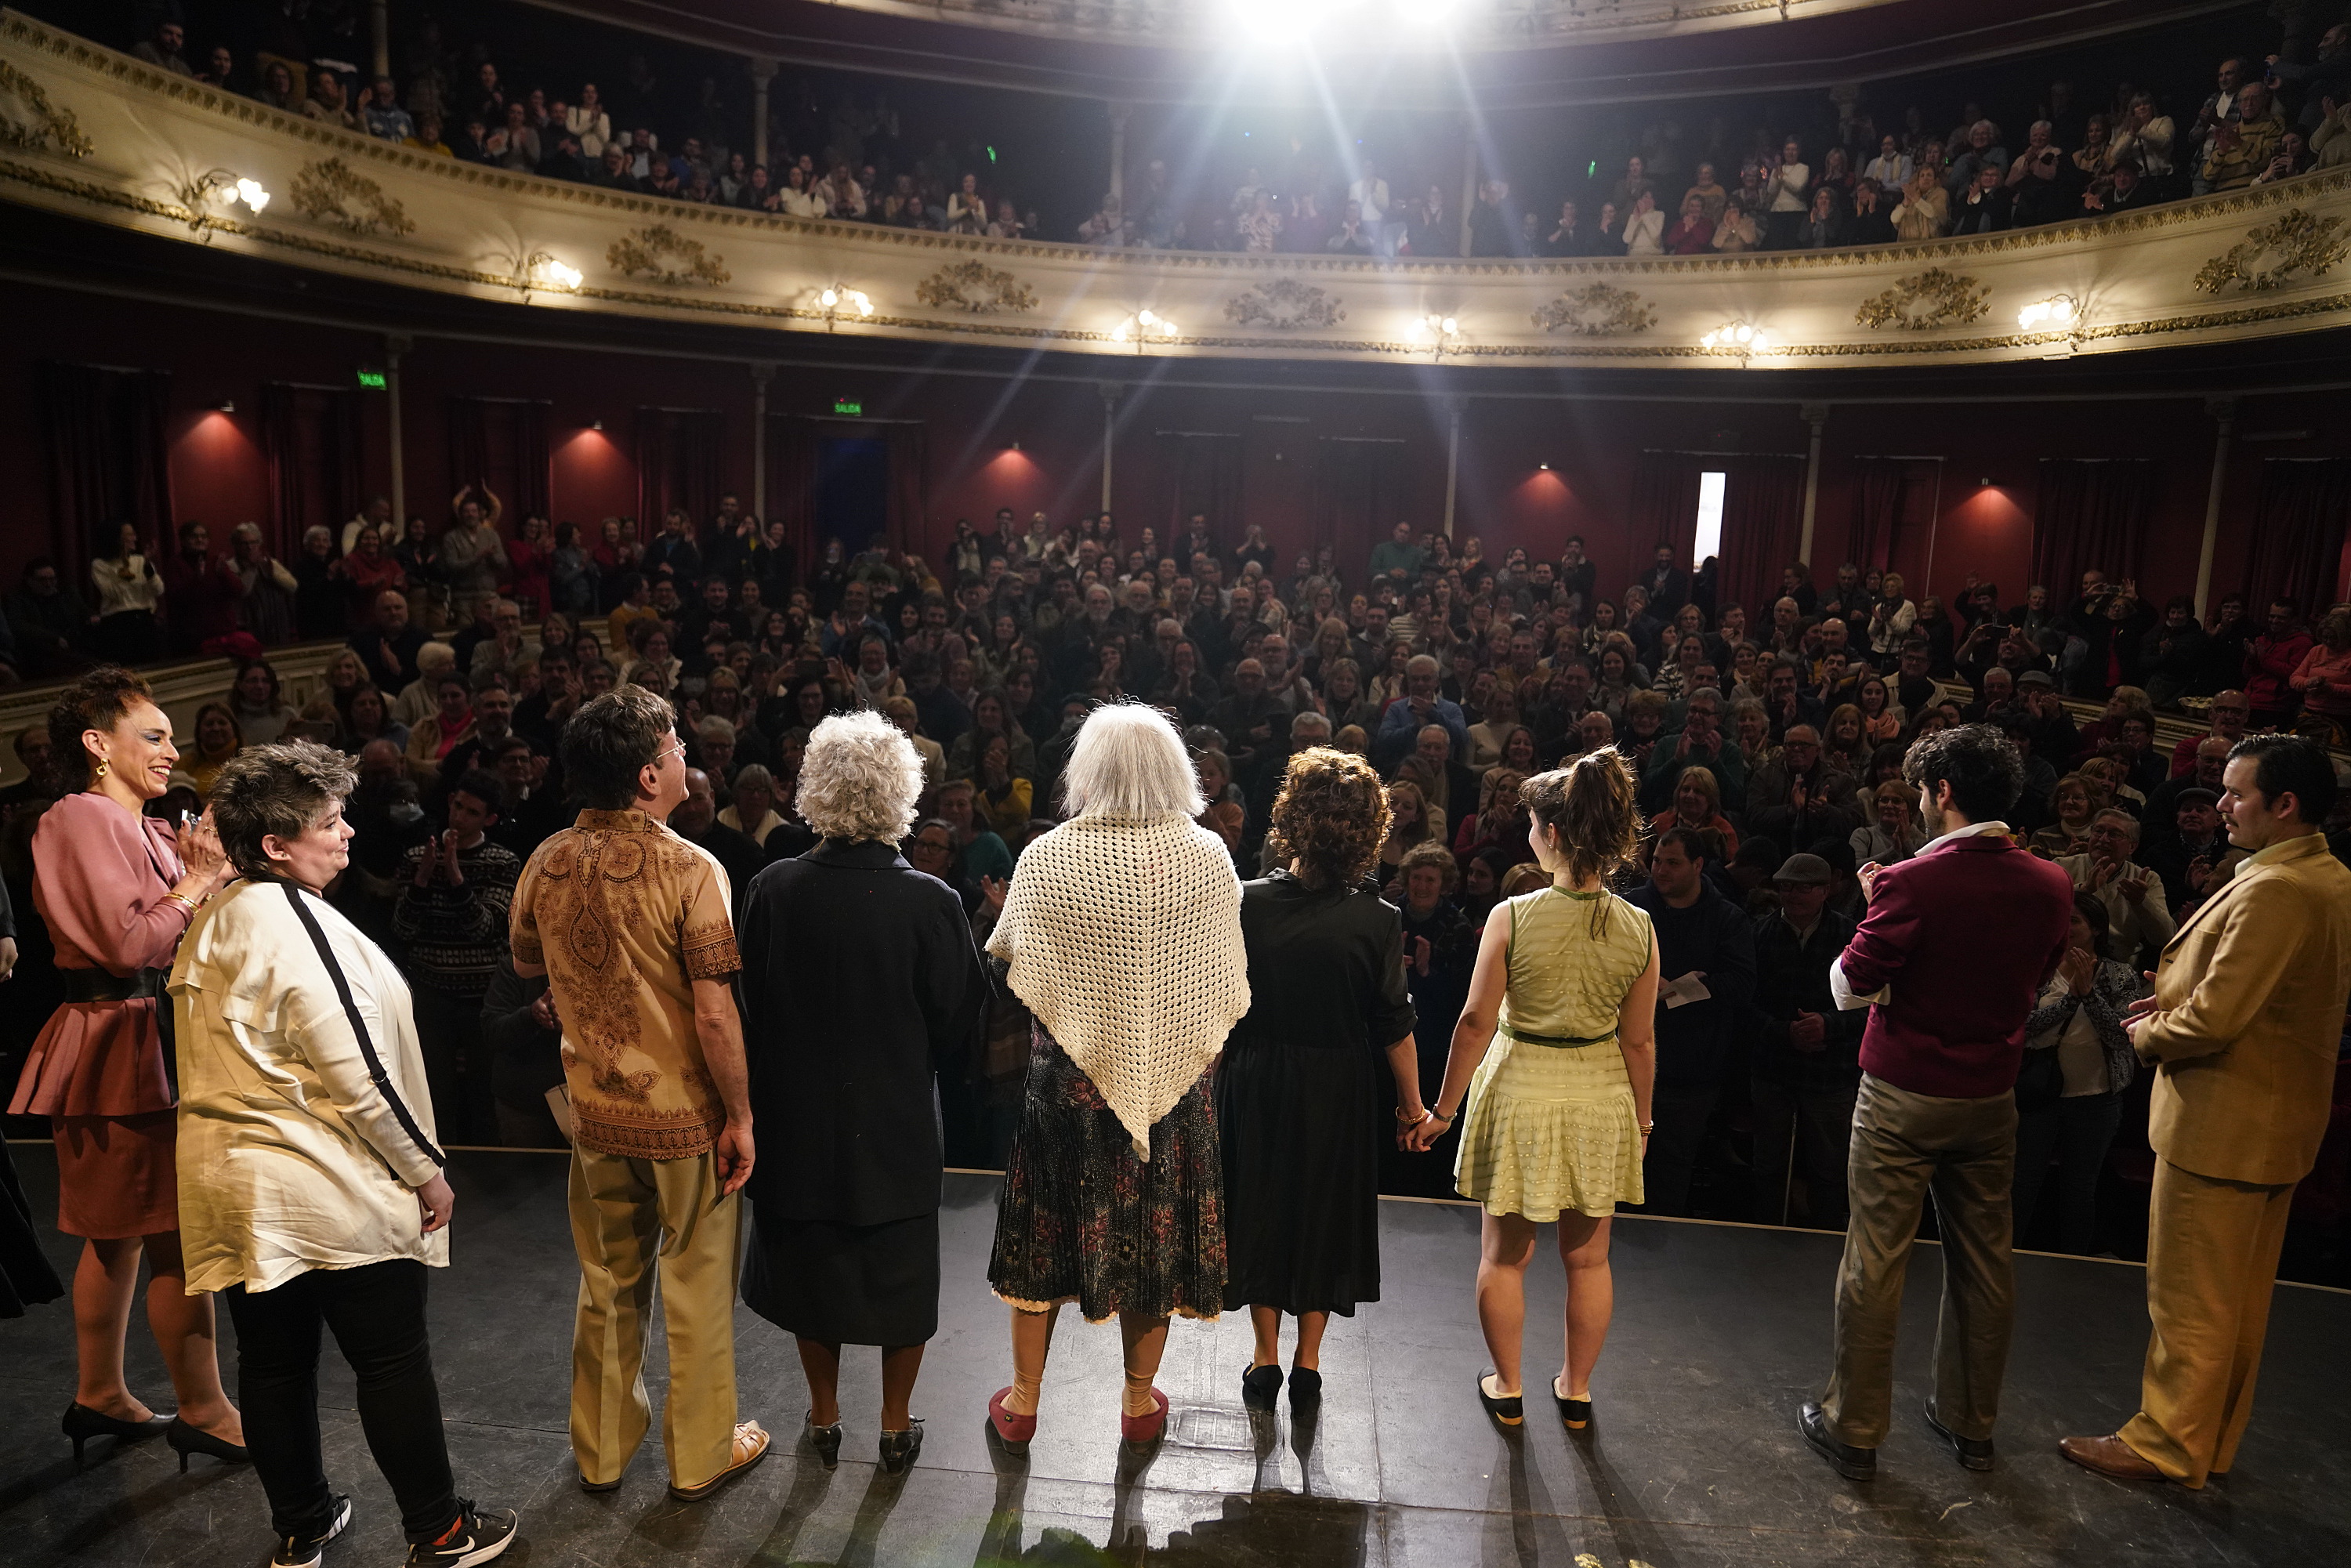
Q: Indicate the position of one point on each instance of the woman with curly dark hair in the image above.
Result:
(1299, 1091)
(1558, 1119)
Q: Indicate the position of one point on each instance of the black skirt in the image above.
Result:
(845, 1284)
(1082, 1219)
(1301, 1128)
(25, 1277)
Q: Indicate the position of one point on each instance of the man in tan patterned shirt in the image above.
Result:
(628, 923)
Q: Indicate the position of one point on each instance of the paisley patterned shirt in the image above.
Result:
(625, 916)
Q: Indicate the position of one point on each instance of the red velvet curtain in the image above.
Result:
(500, 443)
(2300, 516)
(109, 459)
(1200, 471)
(677, 464)
(2090, 512)
(1894, 501)
(1358, 498)
(310, 439)
(1665, 509)
(910, 485)
(791, 485)
(1762, 523)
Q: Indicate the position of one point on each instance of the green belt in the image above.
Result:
(1561, 1041)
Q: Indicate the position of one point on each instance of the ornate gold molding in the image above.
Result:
(2300, 242)
(1949, 299)
(976, 289)
(1284, 304)
(332, 192)
(661, 254)
(42, 126)
(1598, 310)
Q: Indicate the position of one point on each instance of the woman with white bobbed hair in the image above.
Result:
(1121, 933)
(860, 981)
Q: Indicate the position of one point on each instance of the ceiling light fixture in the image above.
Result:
(1441, 331)
(838, 302)
(1143, 326)
(1741, 337)
(2055, 313)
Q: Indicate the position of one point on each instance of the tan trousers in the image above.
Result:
(2212, 1263)
(625, 1214)
(1905, 1147)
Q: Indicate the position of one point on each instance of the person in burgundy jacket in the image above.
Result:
(1949, 959)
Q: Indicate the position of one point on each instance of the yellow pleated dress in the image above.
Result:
(1549, 1127)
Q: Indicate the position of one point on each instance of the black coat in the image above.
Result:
(1714, 938)
(859, 981)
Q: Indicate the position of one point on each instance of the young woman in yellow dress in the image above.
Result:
(1558, 1118)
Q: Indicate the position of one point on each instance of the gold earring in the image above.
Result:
(100, 772)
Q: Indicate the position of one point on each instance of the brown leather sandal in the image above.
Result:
(750, 1447)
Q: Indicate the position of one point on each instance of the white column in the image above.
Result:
(1453, 466)
(762, 73)
(1468, 177)
(1118, 115)
(378, 38)
(2223, 411)
(393, 347)
(760, 375)
(1816, 414)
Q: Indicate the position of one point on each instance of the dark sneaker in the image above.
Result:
(1975, 1453)
(1852, 1464)
(479, 1535)
(303, 1552)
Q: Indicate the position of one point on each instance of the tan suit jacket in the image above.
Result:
(2250, 995)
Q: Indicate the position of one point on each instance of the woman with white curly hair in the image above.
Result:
(1122, 931)
(859, 979)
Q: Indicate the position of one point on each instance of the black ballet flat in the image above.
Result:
(1509, 1414)
(1257, 1386)
(186, 1440)
(81, 1423)
(826, 1441)
(899, 1448)
(1575, 1415)
(1305, 1388)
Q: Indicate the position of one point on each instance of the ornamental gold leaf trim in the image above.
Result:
(1284, 304)
(332, 192)
(42, 126)
(661, 254)
(976, 289)
(2301, 242)
(1598, 310)
(1923, 301)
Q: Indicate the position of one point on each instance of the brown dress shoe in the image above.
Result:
(2109, 1457)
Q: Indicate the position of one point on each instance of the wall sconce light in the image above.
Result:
(225, 405)
(1544, 467)
(1444, 331)
(597, 425)
(2056, 312)
(1015, 446)
(837, 301)
(1141, 327)
(223, 186)
(1741, 337)
(542, 272)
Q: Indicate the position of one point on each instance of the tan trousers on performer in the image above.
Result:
(625, 1215)
(1905, 1145)
(2212, 1264)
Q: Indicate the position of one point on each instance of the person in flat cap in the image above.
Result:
(1805, 1066)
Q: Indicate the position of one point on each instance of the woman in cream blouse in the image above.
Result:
(311, 1187)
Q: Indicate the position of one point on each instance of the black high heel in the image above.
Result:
(1305, 1388)
(1258, 1386)
(1575, 1415)
(826, 1441)
(1510, 1413)
(899, 1448)
(186, 1440)
(81, 1423)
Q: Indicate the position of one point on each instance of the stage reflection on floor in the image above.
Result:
(1693, 1460)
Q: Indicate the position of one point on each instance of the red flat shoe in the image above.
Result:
(1145, 1428)
(1012, 1431)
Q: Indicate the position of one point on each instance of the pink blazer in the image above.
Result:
(100, 875)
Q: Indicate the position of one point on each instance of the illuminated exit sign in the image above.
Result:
(848, 405)
(372, 380)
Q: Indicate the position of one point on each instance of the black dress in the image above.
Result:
(860, 982)
(1303, 1096)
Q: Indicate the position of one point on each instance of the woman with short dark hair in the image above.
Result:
(1298, 1090)
(314, 1196)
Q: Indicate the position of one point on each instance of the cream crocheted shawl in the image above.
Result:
(1123, 936)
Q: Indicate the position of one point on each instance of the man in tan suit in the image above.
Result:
(2243, 1030)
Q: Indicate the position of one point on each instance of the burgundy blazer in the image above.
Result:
(1966, 935)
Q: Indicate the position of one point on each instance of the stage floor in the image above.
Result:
(1693, 1461)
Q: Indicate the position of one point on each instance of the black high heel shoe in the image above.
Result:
(186, 1440)
(899, 1448)
(1305, 1388)
(826, 1441)
(1509, 1414)
(81, 1423)
(1258, 1386)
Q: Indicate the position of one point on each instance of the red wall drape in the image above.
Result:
(1894, 502)
(501, 442)
(310, 439)
(1200, 471)
(2090, 512)
(1762, 523)
(2300, 516)
(1665, 511)
(910, 488)
(1357, 500)
(677, 464)
(110, 458)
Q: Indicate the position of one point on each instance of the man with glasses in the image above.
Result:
(2227, 716)
(629, 922)
(1799, 799)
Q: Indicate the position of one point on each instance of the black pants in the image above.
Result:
(457, 1064)
(1680, 1112)
(378, 1314)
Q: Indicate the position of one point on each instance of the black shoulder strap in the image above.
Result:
(376, 1074)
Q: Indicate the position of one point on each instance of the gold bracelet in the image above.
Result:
(183, 900)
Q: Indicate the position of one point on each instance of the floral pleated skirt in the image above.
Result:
(1082, 1219)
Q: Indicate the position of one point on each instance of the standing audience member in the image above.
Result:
(1706, 968)
(2078, 1062)
(451, 917)
(1805, 1072)
(631, 925)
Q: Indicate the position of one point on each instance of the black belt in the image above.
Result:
(1562, 1041)
(99, 985)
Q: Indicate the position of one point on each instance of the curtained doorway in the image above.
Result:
(853, 489)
